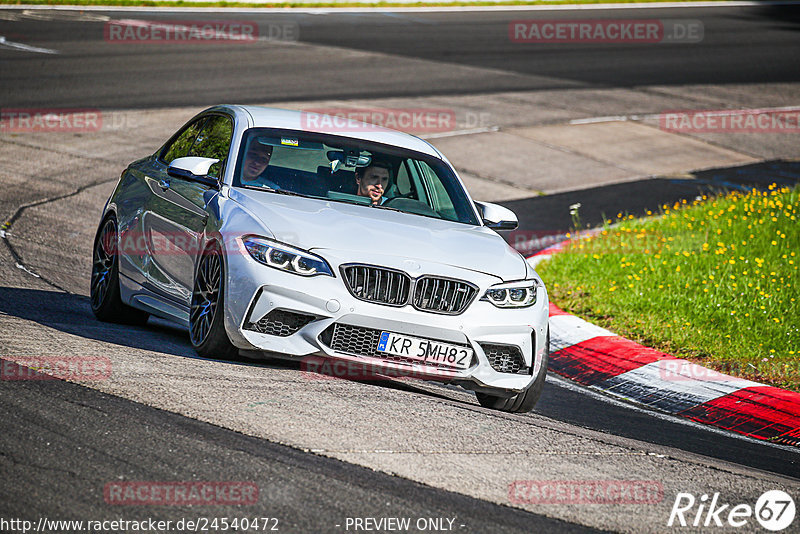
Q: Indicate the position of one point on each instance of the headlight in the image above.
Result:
(513, 295)
(285, 258)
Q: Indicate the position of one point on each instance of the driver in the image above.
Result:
(256, 160)
(372, 181)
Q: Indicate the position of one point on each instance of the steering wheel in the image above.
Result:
(411, 206)
(409, 195)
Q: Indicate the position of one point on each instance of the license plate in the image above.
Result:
(425, 350)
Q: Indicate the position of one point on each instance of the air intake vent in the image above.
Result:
(352, 339)
(377, 284)
(443, 295)
(505, 358)
(281, 323)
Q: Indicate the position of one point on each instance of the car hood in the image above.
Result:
(318, 224)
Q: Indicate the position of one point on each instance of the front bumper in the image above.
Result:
(299, 314)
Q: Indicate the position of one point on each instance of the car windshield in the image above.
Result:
(353, 171)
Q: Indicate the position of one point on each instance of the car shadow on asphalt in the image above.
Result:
(72, 314)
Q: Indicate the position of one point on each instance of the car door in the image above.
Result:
(176, 216)
(150, 248)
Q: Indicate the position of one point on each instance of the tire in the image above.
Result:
(206, 312)
(104, 293)
(524, 401)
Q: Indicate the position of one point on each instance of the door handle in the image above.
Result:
(163, 184)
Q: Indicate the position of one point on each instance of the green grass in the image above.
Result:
(714, 281)
(380, 4)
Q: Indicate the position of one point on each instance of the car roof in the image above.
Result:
(266, 117)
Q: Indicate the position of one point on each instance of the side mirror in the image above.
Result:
(497, 217)
(194, 169)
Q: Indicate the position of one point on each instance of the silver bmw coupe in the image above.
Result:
(296, 235)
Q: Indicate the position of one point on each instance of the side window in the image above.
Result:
(415, 180)
(214, 141)
(181, 145)
(404, 186)
(440, 199)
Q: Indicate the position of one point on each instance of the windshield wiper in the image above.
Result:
(286, 192)
(278, 191)
(386, 208)
(346, 201)
(365, 204)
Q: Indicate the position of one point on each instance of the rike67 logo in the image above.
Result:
(774, 510)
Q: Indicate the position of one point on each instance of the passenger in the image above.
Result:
(373, 180)
(255, 163)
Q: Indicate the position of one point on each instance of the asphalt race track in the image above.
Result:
(381, 54)
(322, 451)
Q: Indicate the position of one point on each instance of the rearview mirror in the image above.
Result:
(497, 217)
(351, 159)
(194, 169)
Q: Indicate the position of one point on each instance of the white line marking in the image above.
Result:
(24, 47)
(613, 118)
(20, 266)
(407, 18)
(461, 132)
(568, 330)
(430, 9)
(709, 113)
(63, 16)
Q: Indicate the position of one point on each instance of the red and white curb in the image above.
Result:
(601, 360)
